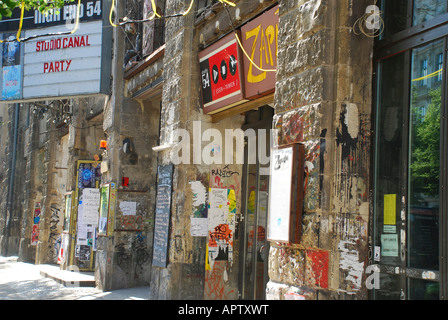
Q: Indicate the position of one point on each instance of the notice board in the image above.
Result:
(163, 214)
(286, 194)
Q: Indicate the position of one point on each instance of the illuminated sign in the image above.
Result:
(66, 65)
(51, 61)
(220, 75)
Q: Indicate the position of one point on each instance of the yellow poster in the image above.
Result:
(390, 203)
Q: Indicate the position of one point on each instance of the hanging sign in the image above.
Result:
(259, 39)
(220, 67)
(51, 61)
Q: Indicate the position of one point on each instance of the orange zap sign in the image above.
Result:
(259, 39)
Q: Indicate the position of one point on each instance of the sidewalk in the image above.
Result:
(24, 281)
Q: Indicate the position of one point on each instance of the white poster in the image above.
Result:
(199, 227)
(280, 194)
(128, 208)
(88, 212)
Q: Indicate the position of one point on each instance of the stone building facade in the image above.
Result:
(321, 100)
(188, 199)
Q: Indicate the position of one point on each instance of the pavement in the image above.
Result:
(27, 281)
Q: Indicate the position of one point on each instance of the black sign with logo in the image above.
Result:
(89, 11)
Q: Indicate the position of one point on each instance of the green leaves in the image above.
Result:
(426, 145)
(6, 6)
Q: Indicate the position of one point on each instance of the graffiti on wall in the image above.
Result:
(131, 250)
(215, 284)
(36, 221)
(54, 237)
(226, 178)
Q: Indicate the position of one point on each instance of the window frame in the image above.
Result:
(386, 47)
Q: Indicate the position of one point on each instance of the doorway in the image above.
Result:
(254, 245)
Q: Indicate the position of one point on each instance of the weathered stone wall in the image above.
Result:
(123, 259)
(11, 210)
(323, 100)
(179, 104)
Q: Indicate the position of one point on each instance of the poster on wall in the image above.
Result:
(104, 210)
(198, 218)
(88, 208)
(89, 174)
(12, 69)
(221, 225)
(62, 255)
(36, 222)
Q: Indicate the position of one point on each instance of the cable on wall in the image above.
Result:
(224, 2)
(154, 15)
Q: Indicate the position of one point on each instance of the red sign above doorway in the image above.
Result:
(221, 75)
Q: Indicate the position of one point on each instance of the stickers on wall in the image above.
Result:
(221, 225)
(36, 221)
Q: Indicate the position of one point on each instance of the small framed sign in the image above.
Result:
(286, 193)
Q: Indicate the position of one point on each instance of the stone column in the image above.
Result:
(323, 100)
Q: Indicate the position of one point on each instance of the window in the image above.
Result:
(425, 10)
(439, 66)
(409, 187)
(154, 30)
(402, 14)
(424, 72)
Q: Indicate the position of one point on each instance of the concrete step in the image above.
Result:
(67, 278)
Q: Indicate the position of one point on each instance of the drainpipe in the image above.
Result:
(8, 213)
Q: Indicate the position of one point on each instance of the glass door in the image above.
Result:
(407, 172)
(424, 168)
(255, 247)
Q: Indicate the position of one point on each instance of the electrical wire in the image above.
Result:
(436, 73)
(154, 8)
(227, 2)
(22, 12)
(18, 39)
(155, 15)
(240, 44)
